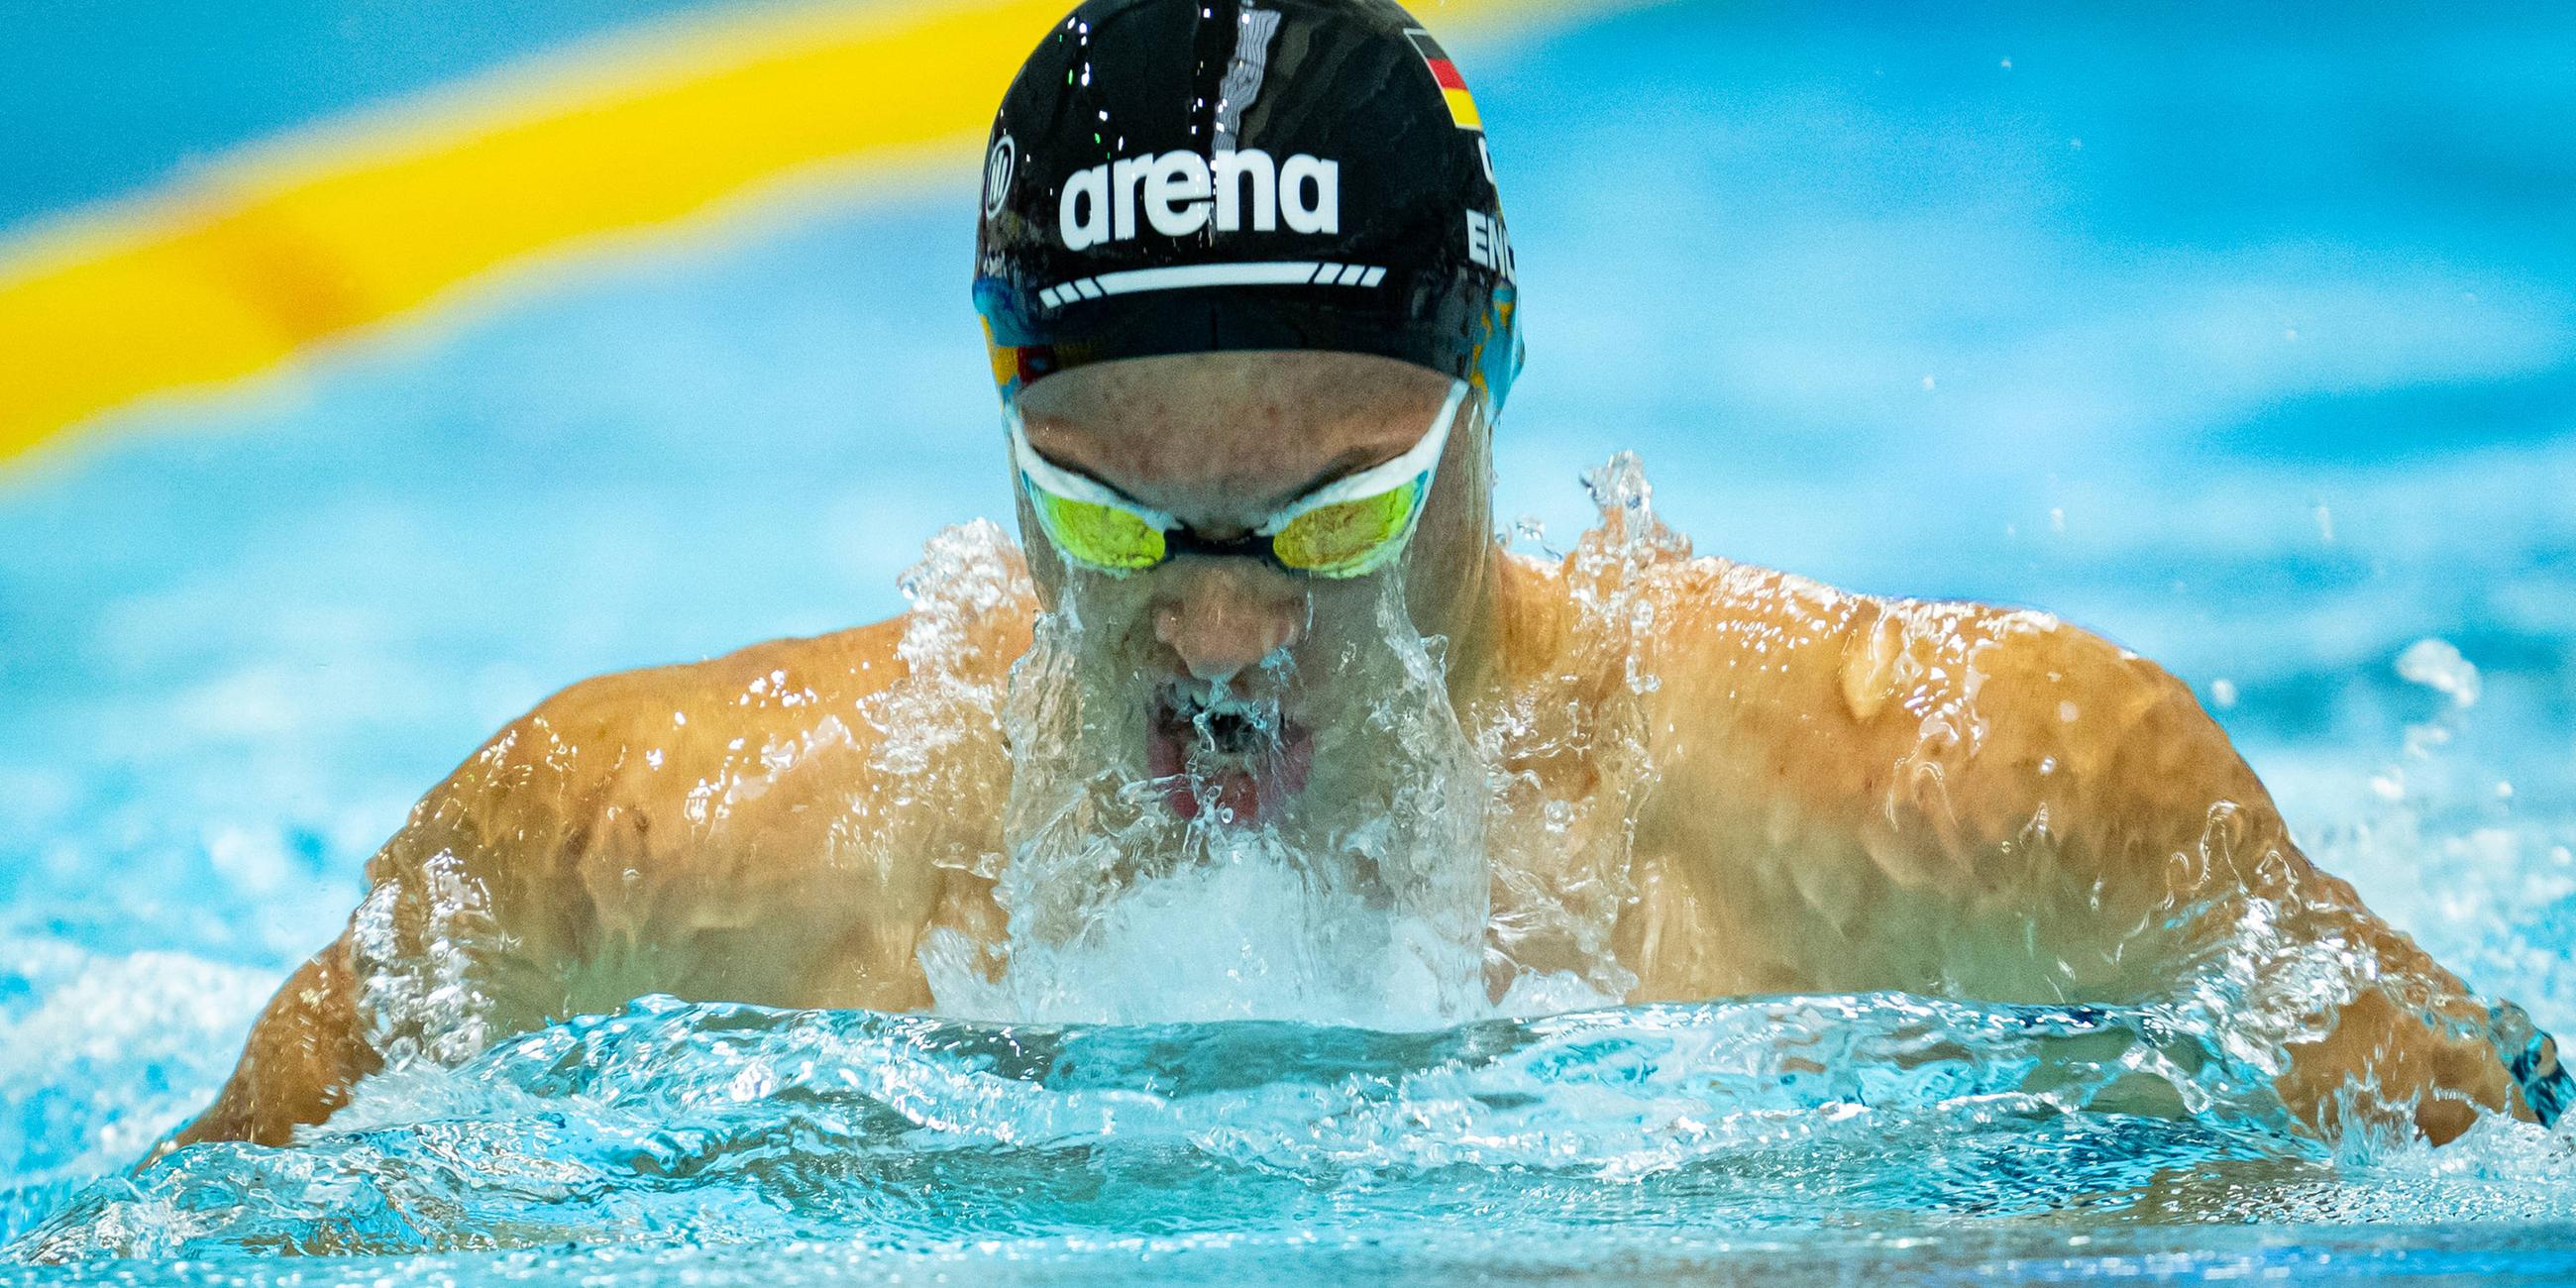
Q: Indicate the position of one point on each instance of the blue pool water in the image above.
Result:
(2247, 340)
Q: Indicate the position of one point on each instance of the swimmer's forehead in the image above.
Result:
(1222, 439)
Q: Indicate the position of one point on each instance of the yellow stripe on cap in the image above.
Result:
(1462, 109)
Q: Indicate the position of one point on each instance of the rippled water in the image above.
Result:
(1644, 1137)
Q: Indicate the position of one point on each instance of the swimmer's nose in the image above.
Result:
(1220, 617)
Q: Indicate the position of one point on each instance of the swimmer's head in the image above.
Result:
(1250, 303)
(1194, 176)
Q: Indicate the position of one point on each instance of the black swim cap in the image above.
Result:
(1183, 176)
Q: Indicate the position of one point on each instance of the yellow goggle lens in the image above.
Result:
(1349, 538)
(1099, 535)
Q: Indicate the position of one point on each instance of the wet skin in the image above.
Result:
(1848, 793)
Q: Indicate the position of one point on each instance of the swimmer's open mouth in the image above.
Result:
(1239, 757)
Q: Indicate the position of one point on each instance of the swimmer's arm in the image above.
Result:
(2166, 828)
(1993, 805)
(487, 838)
(496, 882)
(304, 1053)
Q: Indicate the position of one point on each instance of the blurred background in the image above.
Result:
(371, 368)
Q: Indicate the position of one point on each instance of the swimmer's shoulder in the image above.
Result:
(1786, 648)
(1951, 718)
(617, 740)
(752, 691)
(694, 709)
(647, 766)
(2016, 784)
(762, 754)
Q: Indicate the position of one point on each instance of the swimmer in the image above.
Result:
(1252, 309)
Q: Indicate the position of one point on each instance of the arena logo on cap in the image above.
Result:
(1182, 193)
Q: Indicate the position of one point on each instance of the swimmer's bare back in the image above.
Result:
(1849, 794)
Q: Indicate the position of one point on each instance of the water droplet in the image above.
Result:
(2437, 665)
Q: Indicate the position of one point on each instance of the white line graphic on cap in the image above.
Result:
(1188, 276)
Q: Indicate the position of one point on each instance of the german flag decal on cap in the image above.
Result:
(1453, 87)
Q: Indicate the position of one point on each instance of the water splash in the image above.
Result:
(723, 1123)
(411, 943)
(99, 1053)
(671, 1124)
(1566, 757)
(936, 730)
(2448, 848)
(2437, 665)
(1362, 901)
(1486, 868)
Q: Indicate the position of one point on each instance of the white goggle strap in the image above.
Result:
(1421, 459)
(1069, 485)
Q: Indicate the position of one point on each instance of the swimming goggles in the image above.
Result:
(1347, 528)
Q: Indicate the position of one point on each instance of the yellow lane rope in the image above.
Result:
(233, 271)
